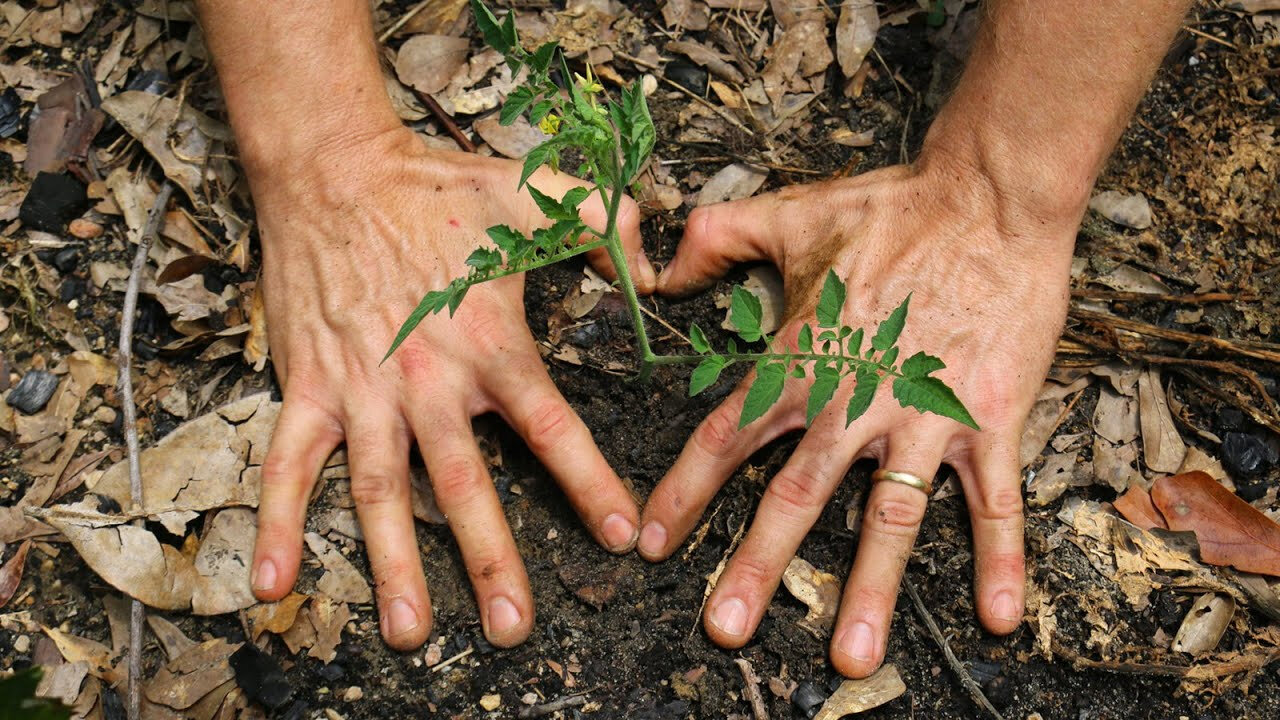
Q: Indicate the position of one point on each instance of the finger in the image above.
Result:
(303, 439)
(992, 490)
(792, 503)
(378, 451)
(596, 215)
(465, 494)
(714, 451)
(889, 528)
(534, 407)
(717, 237)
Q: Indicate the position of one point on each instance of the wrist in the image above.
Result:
(272, 150)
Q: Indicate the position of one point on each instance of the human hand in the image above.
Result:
(352, 238)
(988, 283)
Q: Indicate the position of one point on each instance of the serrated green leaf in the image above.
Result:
(635, 130)
(825, 381)
(889, 330)
(493, 33)
(431, 303)
(573, 198)
(541, 59)
(456, 293)
(484, 259)
(745, 313)
(920, 365)
(548, 205)
(706, 374)
(540, 110)
(698, 339)
(863, 393)
(831, 301)
(517, 102)
(764, 392)
(929, 394)
(508, 239)
(805, 340)
(889, 357)
(854, 345)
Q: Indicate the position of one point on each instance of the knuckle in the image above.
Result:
(456, 476)
(1000, 503)
(377, 488)
(796, 491)
(754, 575)
(718, 433)
(894, 517)
(277, 471)
(873, 601)
(547, 425)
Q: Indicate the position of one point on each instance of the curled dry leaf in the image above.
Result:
(818, 590)
(732, 182)
(11, 573)
(1230, 531)
(341, 580)
(256, 349)
(100, 659)
(192, 675)
(855, 696)
(276, 617)
(1136, 507)
(1162, 446)
(1131, 211)
(855, 34)
(1206, 621)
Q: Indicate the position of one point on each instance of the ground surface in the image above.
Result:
(636, 656)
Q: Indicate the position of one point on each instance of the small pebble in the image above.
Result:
(67, 259)
(491, 702)
(434, 655)
(332, 714)
(105, 414)
(353, 694)
(529, 698)
(22, 644)
(84, 229)
(33, 391)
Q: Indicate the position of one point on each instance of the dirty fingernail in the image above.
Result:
(859, 642)
(730, 616)
(503, 616)
(618, 532)
(264, 576)
(399, 618)
(653, 539)
(1004, 607)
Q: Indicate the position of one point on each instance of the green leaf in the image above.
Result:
(863, 393)
(581, 137)
(18, 699)
(698, 340)
(929, 394)
(831, 301)
(889, 330)
(889, 356)
(517, 102)
(706, 374)
(805, 341)
(635, 130)
(540, 110)
(540, 61)
(820, 393)
(456, 293)
(494, 34)
(920, 365)
(764, 392)
(745, 313)
(433, 302)
(484, 259)
(508, 239)
(548, 205)
(574, 197)
(854, 344)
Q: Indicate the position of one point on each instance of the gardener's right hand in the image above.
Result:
(353, 234)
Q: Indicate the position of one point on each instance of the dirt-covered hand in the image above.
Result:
(988, 284)
(352, 238)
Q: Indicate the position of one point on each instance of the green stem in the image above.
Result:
(550, 260)
(782, 357)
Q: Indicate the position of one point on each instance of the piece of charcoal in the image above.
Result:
(10, 112)
(54, 200)
(807, 698)
(33, 391)
(67, 259)
(261, 678)
(1246, 454)
(688, 76)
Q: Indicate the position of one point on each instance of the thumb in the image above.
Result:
(717, 237)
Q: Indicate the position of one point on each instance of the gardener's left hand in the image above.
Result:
(989, 279)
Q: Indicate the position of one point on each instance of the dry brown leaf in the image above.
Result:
(328, 617)
(1115, 464)
(276, 617)
(855, 34)
(11, 573)
(732, 182)
(256, 348)
(1116, 417)
(1136, 507)
(1162, 446)
(1131, 211)
(73, 649)
(427, 62)
(1206, 621)
(194, 674)
(818, 590)
(341, 580)
(62, 682)
(1038, 428)
(855, 696)
(1229, 530)
(172, 639)
(514, 140)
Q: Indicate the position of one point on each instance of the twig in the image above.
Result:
(446, 663)
(975, 692)
(1210, 38)
(1258, 350)
(386, 34)
(696, 97)
(564, 703)
(450, 126)
(752, 685)
(1189, 299)
(124, 360)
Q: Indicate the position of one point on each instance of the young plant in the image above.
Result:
(613, 139)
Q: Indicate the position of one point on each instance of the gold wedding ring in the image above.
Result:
(924, 486)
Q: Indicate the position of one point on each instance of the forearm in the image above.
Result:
(297, 76)
(1047, 91)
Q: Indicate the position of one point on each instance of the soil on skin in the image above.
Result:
(635, 655)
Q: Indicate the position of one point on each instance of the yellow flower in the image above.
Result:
(589, 84)
(550, 124)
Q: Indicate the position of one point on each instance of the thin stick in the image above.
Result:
(975, 692)
(386, 34)
(446, 663)
(1259, 350)
(564, 703)
(696, 97)
(1190, 299)
(752, 685)
(124, 360)
(450, 126)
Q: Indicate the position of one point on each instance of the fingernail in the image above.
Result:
(1005, 608)
(503, 616)
(653, 539)
(859, 642)
(399, 618)
(619, 532)
(264, 576)
(648, 278)
(730, 616)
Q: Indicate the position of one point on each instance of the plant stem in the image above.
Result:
(614, 244)
(782, 357)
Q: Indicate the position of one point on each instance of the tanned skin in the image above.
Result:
(358, 218)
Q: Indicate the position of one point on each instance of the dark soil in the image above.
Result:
(633, 657)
